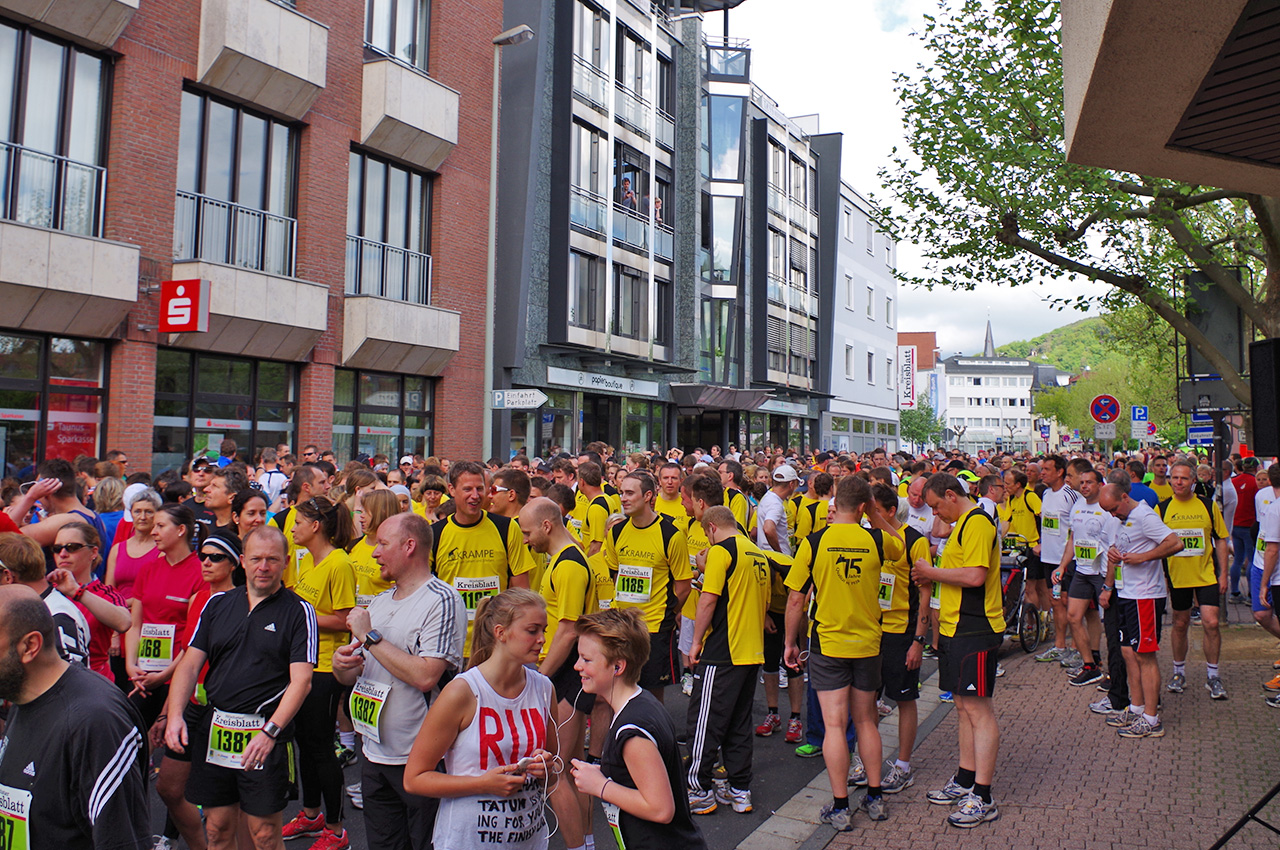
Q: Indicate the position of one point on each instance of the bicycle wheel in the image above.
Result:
(1029, 627)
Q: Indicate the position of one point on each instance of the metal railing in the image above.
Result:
(666, 130)
(630, 228)
(777, 291)
(376, 268)
(589, 81)
(219, 231)
(587, 209)
(664, 240)
(777, 199)
(798, 212)
(47, 190)
(631, 109)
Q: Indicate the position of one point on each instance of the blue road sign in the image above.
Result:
(1200, 436)
(1105, 409)
(1201, 417)
(1138, 413)
(1044, 432)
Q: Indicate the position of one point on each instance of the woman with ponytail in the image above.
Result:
(494, 728)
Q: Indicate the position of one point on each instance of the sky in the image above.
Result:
(837, 58)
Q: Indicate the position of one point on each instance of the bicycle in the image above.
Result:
(1021, 617)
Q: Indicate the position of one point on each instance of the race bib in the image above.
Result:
(935, 596)
(364, 599)
(611, 815)
(635, 584)
(367, 700)
(229, 734)
(576, 524)
(1010, 543)
(1119, 576)
(885, 595)
(1193, 545)
(1262, 544)
(15, 810)
(155, 647)
(473, 589)
(1051, 524)
(1086, 551)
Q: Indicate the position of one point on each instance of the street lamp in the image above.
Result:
(515, 35)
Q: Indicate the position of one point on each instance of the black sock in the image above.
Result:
(1097, 658)
(795, 715)
(873, 792)
(965, 777)
(983, 791)
(838, 803)
(773, 709)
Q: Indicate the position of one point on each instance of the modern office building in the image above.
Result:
(320, 165)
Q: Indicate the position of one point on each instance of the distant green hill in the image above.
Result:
(1070, 348)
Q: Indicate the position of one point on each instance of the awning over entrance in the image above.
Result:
(696, 397)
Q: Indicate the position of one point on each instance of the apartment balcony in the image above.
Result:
(396, 336)
(777, 199)
(630, 228)
(666, 130)
(587, 210)
(219, 231)
(664, 240)
(65, 283)
(51, 191)
(407, 115)
(262, 53)
(777, 289)
(589, 82)
(94, 23)
(254, 313)
(376, 268)
(631, 109)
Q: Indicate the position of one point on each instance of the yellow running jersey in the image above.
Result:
(811, 516)
(329, 586)
(737, 572)
(1199, 523)
(736, 501)
(369, 580)
(779, 566)
(569, 586)
(673, 508)
(1162, 491)
(479, 559)
(1021, 516)
(595, 520)
(899, 597)
(696, 542)
(842, 565)
(968, 611)
(646, 563)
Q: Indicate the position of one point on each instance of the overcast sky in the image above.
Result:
(837, 58)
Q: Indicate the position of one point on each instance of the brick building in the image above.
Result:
(323, 165)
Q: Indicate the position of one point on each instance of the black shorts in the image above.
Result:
(260, 793)
(661, 668)
(1181, 597)
(1085, 587)
(1140, 621)
(773, 645)
(827, 673)
(1036, 568)
(900, 683)
(568, 685)
(193, 715)
(1068, 577)
(967, 665)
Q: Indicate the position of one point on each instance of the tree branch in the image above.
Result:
(1208, 263)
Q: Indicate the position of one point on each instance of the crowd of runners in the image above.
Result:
(492, 642)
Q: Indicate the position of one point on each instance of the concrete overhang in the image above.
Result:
(398, 336)
(407, 115)
(256, 314)
(61, 283)
(1132, 69)
(93, 23)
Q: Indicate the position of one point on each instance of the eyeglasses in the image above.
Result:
(496, 489)
(214, 557)
(59, 548)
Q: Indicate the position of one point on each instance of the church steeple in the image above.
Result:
(989, 348)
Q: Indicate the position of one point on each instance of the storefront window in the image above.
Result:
(642, 425)
(203, 399)
(51, 399)
(380, 413)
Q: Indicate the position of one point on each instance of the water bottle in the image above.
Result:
(1057, 590)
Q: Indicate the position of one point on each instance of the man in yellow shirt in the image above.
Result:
(669, 503)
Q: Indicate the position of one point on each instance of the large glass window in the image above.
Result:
(726, 121)
(236, 187)
(630, 303)
(634, 64)
(718, 331)
(53, 109)
(587, 174)
(388, 227)
(590, 54)
(587, 300)
(721, 217)
(400, 29)
(380, 413)
(202, 399)
(52, 396)
(642, 425)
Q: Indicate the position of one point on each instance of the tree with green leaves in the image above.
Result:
(920, 425)
(986, 192)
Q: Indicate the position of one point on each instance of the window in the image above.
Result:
(236, 185)
(976, 382)
(586, 291)
(590, 34)
(871, 238)
(849, 365)
(388, 224)
(380, 413)
(888, 373)
(52, 395)
(871, 367)
(955, 381)
(587, 177)
(848, 293)
(633, 64)
(871, 302)
(888, 310)
(630, 303)
(888, 253)
(955, 401)
(399, 29)
(799, 181)
(664, 319)
(846, 223)
(726, 122)
(53, 111)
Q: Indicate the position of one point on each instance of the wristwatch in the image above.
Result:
(918, 638)
(371, 638)
(271, 730)
(1106, 588)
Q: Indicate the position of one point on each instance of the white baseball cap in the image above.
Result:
(406, 459)
(785, 473)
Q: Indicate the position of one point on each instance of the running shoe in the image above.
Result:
(1070, 658)
(896, 779)
(949, 794)
(972, 811)
(930, 652)
(1237, 598)
(1103, 706)
(1105, 685)
(1142, 728)
(1123, 719)
(808, 751)
(795, 731)
(946, 696)
(356, 793)
(702, 802)
(163, 842)
(841, 820)
(304, 827)
(1195, 616)
(1088, 674)
(1273, 685)
(346, 757)
(883, 709)
(772, 723)
(876, 808)
(1216, 689)
(999, 670)
(1273, 701)
(738, 799)
(1053, 653)
(1275, 665)
(857, 772)
(1177, 683)
(330, 840)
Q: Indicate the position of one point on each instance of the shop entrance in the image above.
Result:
(601, 419)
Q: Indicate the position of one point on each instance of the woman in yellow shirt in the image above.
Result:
(375, 509)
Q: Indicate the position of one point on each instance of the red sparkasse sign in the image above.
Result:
(184, 306)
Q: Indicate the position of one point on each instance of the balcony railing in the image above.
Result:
(777, 199)
(798, 212)
(587, 210)
(51, 191)
(376, 268)
(589, 81)
(777, 289)
(219, 231)
(631, 109)
(664, 239)
(666, 130)
(630, 228)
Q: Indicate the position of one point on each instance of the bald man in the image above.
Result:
(73, 759)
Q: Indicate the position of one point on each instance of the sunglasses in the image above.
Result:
(59, 548)
(496, 489)
(215, 557)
